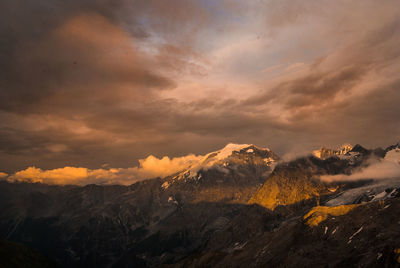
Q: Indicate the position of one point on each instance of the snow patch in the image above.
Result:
(351, 237)
(379, 196)
(341, 151)
(374, 191)
(229, 149)
(165, 185)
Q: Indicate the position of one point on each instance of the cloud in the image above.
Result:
(149, 167)
(153, 166)
(294, 154)
(60, 175)
(387, 168)
(85, 83)
(96, 55)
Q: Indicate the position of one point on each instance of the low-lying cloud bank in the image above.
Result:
(149, 167)
(389, 167)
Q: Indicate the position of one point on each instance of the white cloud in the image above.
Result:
(387, 168)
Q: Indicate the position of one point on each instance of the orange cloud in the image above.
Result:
(149, 167)
(54, 176)
(153, 166)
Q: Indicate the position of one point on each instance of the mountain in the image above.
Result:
(299, 180)
(230, 158)
(231, 174)
(324, 153)
(241, 205)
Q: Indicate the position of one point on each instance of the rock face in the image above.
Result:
(324, 152)
(298, 180)
(232, 209)
(366, 236)
(289, 184)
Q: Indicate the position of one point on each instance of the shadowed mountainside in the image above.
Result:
(15, 255)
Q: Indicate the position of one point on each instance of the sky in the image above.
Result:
(118, 86)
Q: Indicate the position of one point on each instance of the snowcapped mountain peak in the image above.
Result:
(340, 151)
(229, 149)
(227, 159)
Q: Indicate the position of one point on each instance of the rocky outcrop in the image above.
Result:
(324, 152)
(296, 181)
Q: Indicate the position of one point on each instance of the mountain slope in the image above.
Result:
(298, 180)
(367, 236)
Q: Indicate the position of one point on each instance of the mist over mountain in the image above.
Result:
(240, 205)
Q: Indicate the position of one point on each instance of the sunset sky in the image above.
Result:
(100, 84)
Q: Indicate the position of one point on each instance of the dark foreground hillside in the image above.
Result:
(367, 236)
(16, 255)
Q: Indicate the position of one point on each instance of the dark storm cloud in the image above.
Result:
(83, 83)
(78, 61)
(52, 48)
(26, 21)
(315, 88)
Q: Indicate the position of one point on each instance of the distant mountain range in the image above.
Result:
(236, 207)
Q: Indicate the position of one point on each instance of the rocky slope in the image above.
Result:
(298, 180)
(324, 152)
(366, 236)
